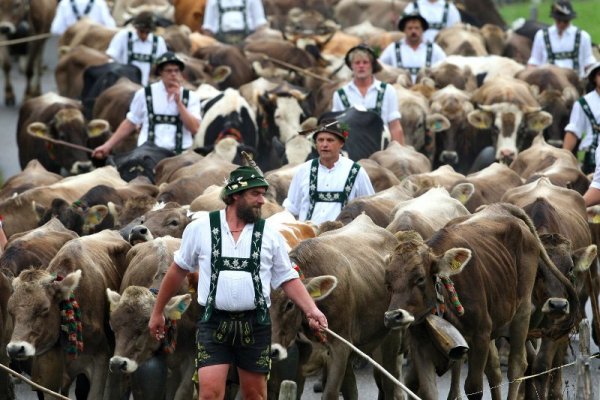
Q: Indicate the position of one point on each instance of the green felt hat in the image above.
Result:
(243, 178)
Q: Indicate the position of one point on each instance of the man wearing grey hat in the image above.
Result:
(168, 114)
(139, 47)
(562, 44)
(439, 14)
(584, 124)
(240, 257)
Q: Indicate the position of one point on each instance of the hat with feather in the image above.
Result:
(244, 178)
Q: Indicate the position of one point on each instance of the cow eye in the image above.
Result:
(289, 306)
(174, 223)
(420, 281)
(43, 310)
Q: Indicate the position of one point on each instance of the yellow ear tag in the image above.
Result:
(596, 219)
(463, 198)
(175, 315)
(316, 292)
(455, 264)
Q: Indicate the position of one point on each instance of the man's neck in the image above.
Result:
(235, 224)
(414, 45)
(363, 82)
(328, 163)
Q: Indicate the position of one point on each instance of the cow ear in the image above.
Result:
(308, 123)
(538, 121)
(177, 306)
(463, 192)
(38, 129)
(480, 119)
(68, 284)
(437, 122)
(584, 257)
(38, 210)
(94, 216)
(408, 236)
(220, 73)
(113, 298)
(453, 261)
(593, 214)
(97, 127)
(320, 286)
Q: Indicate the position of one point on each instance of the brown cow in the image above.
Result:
(70, 67)
(444, 176)
(231, 56)
(402, 160)
(168, 219)
(462, 39)
(189, 13)
(86, 32)
(500, 245)
(34, 174)
(83, 268)
(382, 13)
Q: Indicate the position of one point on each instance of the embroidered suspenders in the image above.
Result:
(147, 58)
(219, 263)
(572, 55)
(588, 157)
(329, 197)
(413, 70)
(154, 119)
(378, 101)
(86, 11)
(223, 10)
(437, 25)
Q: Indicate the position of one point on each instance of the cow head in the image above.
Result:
(558, 104)
(129, 317)
(411, 276)
(12, 12)
(511, 123)
(34, 308)
(287, 320)
(78, 217)
(168, 219)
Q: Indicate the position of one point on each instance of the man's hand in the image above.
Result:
(102, 151)
(316, 320)
(156, 325)
(173, 92)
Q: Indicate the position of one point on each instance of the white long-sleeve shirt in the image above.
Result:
(389, 107)
(329, 180)
(233, 20)
(433, 12)
(235, 290)
(65, 17)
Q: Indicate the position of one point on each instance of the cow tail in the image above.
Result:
(565, 327)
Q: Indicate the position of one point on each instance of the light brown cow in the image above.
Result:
(34, 174)
(189, 13)
(402, 160)
(381, 13)
(83, 268)
(124, 10)
(70, 67)
(462, 39)
(444, 176)
(86, 32)
(492, 257)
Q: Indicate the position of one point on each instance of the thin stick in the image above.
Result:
(32, 38)
(374, 363)
(35, 385)
(295, 68)
(63, 143)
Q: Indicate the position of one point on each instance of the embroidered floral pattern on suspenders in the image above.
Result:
(223, 10)
(378, 101)
(329, 197)
(141, 57)
(154, 119)
(572, 55)
(219, 263)
(437, 25)
(413, 70)
(589, 156)
(86, 11)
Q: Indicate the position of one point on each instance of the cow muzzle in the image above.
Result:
(81, 167)
(556, 306)
(7, 28)
(20, 350)
(139, 234)
(449, 157)
(278, 352)
(396, 319)
(122, 364)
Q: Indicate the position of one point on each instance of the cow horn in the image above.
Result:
(486, 107)
(530, 109)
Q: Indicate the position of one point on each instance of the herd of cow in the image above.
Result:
(513, 239)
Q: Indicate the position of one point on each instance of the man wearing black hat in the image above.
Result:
(584, 124)
(323, 186)
(140, 47)
(562, 44)
(412, 53)
(439, 14)
(230, 21)
(240, 257)
(367, 92)
(168, 114)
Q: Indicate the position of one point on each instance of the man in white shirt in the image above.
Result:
(230, 21)
(562, 44)
(321, 187)
(412, 53)
(240, 257)
(140, 47)
(367, 92)
(439, 14)
(584, 124)
(168, 114)
(70, 11)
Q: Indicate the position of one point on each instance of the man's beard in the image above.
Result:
(247, 213)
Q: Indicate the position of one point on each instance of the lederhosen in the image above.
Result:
(329, 197)
(220, 263)
(232, 37)
(437, 25)
(86, 11)
(588, 157)
(146, 58)
(413, 70)
(154, 119)
(378, 102)
(572, 55)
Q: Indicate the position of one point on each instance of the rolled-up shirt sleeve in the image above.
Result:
(577, 121)
(137, 108)
(390, 111)
(596, 179)
(282, 270)
(187, 255)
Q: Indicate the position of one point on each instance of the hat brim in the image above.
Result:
(406, 18)
(335, 133)
(158, 67)
(562, 17)
(593, 71)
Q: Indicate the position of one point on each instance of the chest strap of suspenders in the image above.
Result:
(223, 10)
(572, 55)
(328, 197)
(595, 126)
(86, 11)
(378, 101)
(154, 119)
(220, 263)
(147, 58)
(437, 25)
(413, 70)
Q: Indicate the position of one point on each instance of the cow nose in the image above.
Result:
(449, 157)
(15, 351)
(81, 167)
(5, 30)
(555, 142)
(140, 234)
(556, 305)
(507, 156)
(278, 352)
(117, 365)
(397, 318)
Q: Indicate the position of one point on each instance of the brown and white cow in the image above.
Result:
(56, 117)
(492, 259)
(34, 174)
(508, 107)
(344, 286)
(83, 268)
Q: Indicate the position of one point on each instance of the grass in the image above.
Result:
(588, 13)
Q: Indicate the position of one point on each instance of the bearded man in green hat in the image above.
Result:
(239, 257)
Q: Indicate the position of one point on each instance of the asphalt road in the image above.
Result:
(9, 165)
